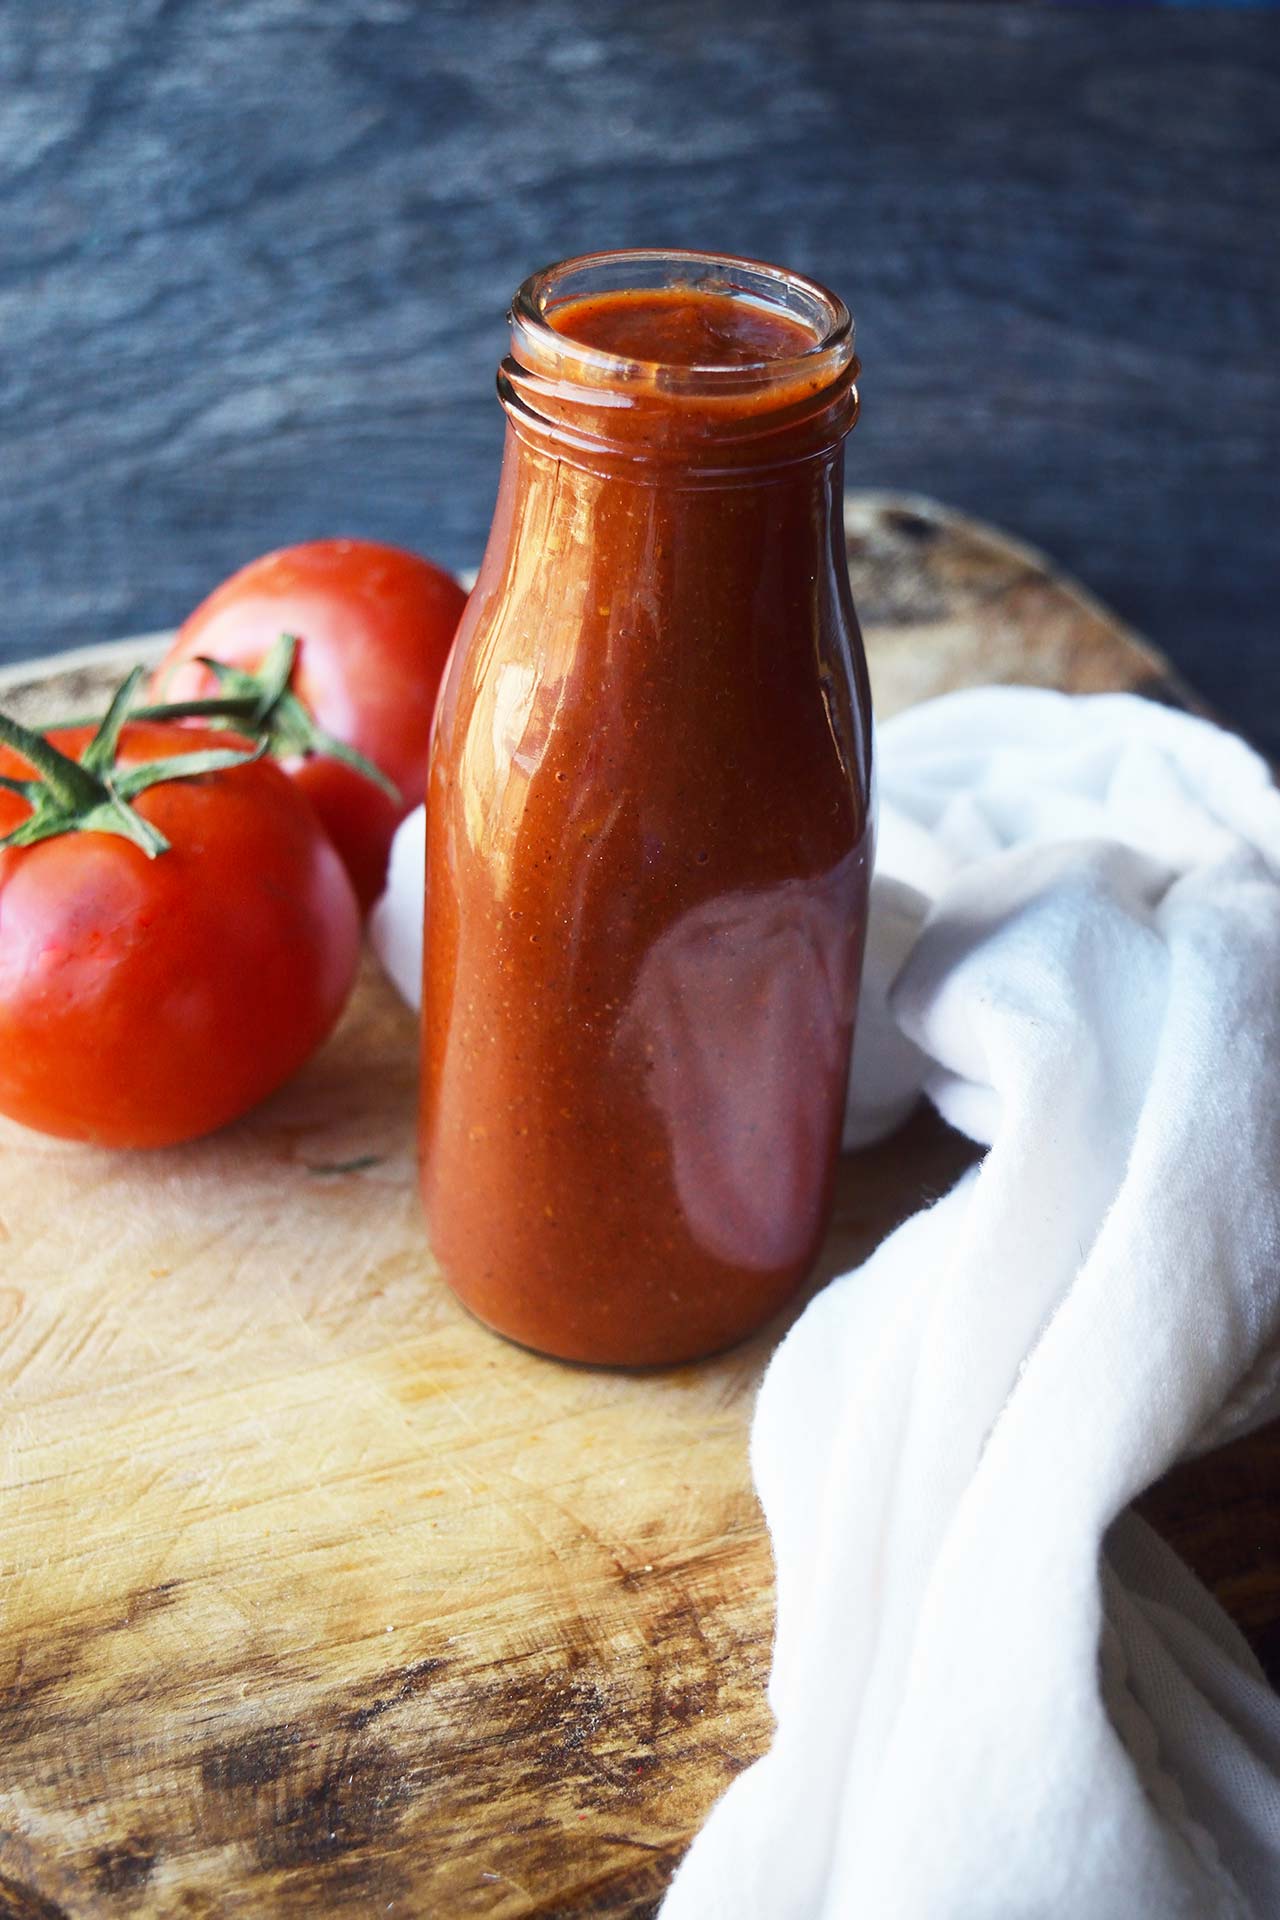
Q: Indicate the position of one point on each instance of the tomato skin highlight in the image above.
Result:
(375, 625)
(148, 1001)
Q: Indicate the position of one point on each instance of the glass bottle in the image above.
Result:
(649, 818)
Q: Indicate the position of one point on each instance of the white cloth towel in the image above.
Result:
(995, 1699)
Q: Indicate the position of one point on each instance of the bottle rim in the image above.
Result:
(611, 412)
(625, 269)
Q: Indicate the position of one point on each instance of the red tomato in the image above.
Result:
(145, 1001)
(375, 625)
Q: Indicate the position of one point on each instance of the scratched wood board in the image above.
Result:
(317, 1598)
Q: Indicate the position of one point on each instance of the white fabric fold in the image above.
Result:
(997, 1694)
(978, 1715)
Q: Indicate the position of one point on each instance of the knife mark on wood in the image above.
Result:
(123, 1867)
(24, 1903)
(330, 1801)
(252, 1760)
(62, 1655)
(414, 1681)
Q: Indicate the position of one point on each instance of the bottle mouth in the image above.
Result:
(821, 313)
(598, 407)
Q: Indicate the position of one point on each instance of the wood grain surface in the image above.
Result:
(255, 256)
(317, 1598)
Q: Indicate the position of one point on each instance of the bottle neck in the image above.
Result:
(657, 444)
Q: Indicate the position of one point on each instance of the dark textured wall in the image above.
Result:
(254, 256)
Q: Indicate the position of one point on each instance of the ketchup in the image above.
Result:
(676, 327)
(649, 837)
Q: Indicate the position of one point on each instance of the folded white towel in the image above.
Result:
(981, 1710)
(973, 1719)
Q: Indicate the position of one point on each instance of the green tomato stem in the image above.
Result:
(94, 794)
(263, 706)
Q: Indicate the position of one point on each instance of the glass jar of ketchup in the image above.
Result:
(649, 818)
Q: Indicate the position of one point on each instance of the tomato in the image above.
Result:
(375, 625)
(143, 1000)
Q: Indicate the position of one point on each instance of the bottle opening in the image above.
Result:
(653, 354)
(624, 308)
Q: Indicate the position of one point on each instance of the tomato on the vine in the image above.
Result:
(374, 625)
(174, 943)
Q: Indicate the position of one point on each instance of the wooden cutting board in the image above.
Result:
(316, 1598)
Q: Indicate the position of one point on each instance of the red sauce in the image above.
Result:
(648, 842)
(679, 328)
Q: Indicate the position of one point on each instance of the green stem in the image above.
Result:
(219, 708)
(263, 706)
(101, 750)
(94, 794)
(65, 777)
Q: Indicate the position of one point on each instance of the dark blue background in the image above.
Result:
(254, 257)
